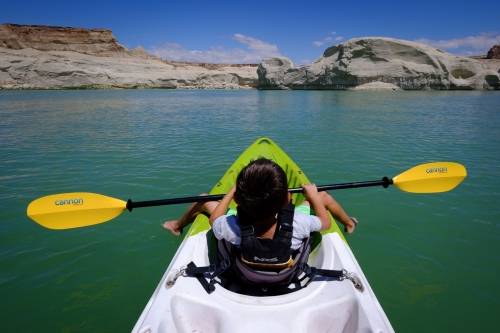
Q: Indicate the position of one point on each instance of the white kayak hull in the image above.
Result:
(322, 306)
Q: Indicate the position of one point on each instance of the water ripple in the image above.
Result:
(152, 144)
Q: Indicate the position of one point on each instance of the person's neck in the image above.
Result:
(269, 233)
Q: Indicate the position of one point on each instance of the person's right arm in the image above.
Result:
(312, 195)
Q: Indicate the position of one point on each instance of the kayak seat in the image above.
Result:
(243, 279)
(227, 270)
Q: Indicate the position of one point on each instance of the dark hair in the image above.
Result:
(261, 192)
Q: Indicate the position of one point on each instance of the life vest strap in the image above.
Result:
(207, 275)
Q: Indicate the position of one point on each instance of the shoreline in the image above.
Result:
(63, 58)
(350, 90)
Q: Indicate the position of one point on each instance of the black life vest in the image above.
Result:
(269, 254)
(264, 266)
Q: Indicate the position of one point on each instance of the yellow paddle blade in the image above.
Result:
(73, 210)
(431, 177)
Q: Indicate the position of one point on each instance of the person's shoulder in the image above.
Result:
(301, 217)
(305, 222)
(232, 223)
(226, 224)
(224, 220)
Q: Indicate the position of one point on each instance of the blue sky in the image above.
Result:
(231, 31)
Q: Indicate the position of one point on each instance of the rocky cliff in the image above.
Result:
(383, 63)
(45, 57)
(99, 42)
(494, 52)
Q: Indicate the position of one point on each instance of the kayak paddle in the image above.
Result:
(80, 209)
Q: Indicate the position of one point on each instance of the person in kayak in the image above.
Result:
(261, 191)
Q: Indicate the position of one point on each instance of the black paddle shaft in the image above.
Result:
(385, 182)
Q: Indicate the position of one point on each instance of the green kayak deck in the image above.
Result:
(181, 304)
(266, 148)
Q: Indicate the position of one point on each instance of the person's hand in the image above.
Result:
(351, 225)
(310, 191)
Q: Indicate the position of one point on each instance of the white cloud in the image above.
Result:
(253, 52)
(257, 46)
(469, 45)
(328, 40)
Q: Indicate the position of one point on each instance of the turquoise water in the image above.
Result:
(432, 260)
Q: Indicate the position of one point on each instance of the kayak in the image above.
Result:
(182, 304)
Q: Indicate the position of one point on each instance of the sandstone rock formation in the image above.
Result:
(41, 57)
(494, 52)
(45, 57)
(47, 38)
(400, 63)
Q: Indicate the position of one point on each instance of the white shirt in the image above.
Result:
(227, 227)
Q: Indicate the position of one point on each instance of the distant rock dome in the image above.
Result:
(397, 63)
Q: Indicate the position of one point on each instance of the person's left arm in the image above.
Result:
(222, 207)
